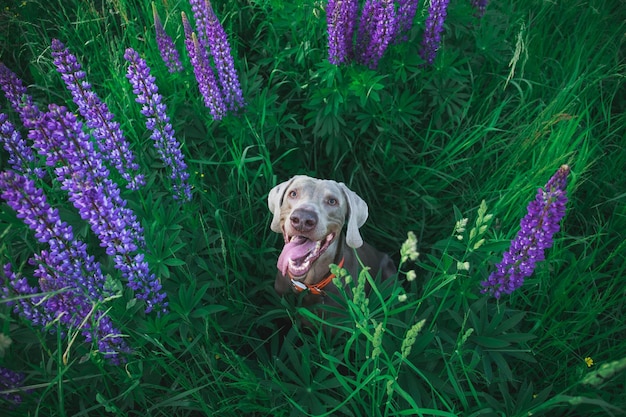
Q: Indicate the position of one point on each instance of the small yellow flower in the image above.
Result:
(589, 362)
(402, 298)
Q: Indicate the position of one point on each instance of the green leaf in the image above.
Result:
(174, 262)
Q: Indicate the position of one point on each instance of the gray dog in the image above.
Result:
(310, 213)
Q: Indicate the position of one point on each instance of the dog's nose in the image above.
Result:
(303, 220)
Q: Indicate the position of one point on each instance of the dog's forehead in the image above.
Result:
(314, 186)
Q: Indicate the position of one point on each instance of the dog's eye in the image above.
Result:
(332, 201)
(293, 194)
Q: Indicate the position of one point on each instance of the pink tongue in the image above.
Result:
(296, 249)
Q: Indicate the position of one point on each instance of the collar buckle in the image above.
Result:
(316, 289)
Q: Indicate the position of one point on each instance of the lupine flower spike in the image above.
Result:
(535, 236)
(60, 138)
(366, 26)
(378, 30)
(207, 84)
(21, 157)
(166, 46)
(341, 18)
(10, 380)
(212, 37)
(15, 93)
(111, 141)
(404, 22)
(71, 277)
(480, 6)
(158, 122)
(431, 41)
(380, 24)
(224, 63)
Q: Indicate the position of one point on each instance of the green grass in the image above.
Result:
(511, 97)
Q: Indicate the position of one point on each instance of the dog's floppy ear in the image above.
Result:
(357, 215)
(275, 200)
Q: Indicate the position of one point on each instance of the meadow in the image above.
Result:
(137, 257)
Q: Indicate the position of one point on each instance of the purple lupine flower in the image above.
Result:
(366, 27)
(166, 46)
(10, 381)
(158, 122)
(72, 277)
(199, 10)
(340, 18)
(535, 236)
(15, 93)
(223, 58)
(381, 33)
(404, 22)
(80, 170)
(26, 306)
(21, 157)
(205, 77)
(111, 141)
(437, 12)
(480, 6)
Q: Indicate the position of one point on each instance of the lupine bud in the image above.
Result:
(535, 236)
(166, 46)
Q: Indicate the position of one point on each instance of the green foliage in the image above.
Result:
(452, 152)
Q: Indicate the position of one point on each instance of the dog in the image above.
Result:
(310, 213)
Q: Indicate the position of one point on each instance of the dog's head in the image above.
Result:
(310, 213)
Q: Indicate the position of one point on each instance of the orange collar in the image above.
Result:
(316, 289)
